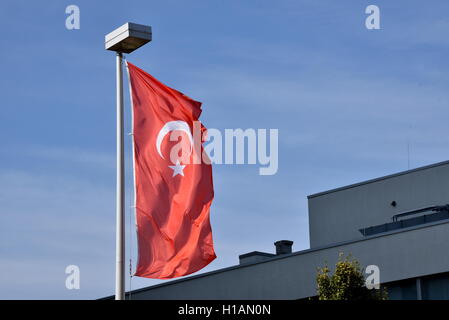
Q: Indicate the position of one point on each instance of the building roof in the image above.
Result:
(438, 164)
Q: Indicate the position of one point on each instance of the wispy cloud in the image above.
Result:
(80, 156)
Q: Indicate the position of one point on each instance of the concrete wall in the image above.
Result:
(336, 215)
(399, 255)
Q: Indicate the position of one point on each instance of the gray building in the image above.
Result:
(398, 223)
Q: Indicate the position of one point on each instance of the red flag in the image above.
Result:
(173, 196)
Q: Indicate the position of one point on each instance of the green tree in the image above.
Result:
(346, 283)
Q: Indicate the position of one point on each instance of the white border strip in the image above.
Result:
(134, 162)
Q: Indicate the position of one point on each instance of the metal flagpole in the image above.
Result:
(124, 39)
(120, 194)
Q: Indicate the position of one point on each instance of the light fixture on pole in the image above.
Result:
(124, 39)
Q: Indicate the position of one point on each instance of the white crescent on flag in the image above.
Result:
(172, 126)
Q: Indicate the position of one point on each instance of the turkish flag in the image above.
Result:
(174, 191)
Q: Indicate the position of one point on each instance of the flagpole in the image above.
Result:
(124, 39)
(120, 194)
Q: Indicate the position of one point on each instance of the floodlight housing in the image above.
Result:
(128, 37)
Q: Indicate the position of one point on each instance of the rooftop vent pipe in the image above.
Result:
(283, 247)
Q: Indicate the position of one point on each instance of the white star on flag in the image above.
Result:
(177, 169)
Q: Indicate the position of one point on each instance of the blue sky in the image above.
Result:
(346, 100)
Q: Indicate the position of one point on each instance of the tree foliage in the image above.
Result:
(346, 283)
